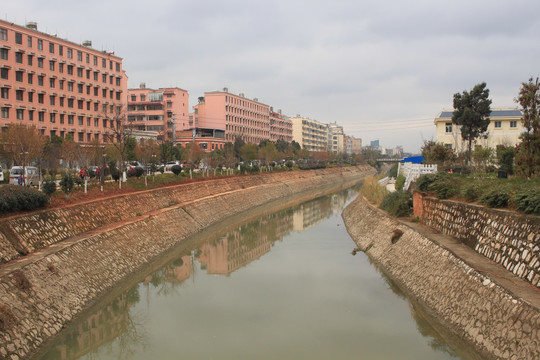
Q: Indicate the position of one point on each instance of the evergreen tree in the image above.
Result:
(528, 151)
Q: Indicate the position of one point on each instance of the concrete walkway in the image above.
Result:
(496, 272)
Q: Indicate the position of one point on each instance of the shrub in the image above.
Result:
(21, 198)
(400, 182)
(397, 203)
(424, 181)
(49, 187)
(135, 171)
(372, 190)
(67, 183)
(444, 186)
(176, 169)
(473, 191)
(496, 198)
(528, 201)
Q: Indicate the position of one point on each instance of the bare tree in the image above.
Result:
(120, 138)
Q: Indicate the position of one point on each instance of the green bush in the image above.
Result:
(49, 187)
(67, 183)
(397, 203)
(528, 201)
(136, 171)
(423, 182)
(496, 198)
(400, 182)
(176, 169)
(473, 191)
(21, 198)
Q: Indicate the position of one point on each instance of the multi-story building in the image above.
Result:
(353, 145)
(280, 126)
(505, 127)
(164, 111)
(63, 88)
(311, 134)
(336, 138)
(236, 114)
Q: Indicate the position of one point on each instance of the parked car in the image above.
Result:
(134, 164)
(31, 175)
(170, 164)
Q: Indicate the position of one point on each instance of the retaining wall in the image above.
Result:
(498, 324)
(38, 299)
(508, 238)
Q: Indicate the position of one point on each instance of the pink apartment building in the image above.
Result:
(61, 87)
(236, 115)
(280, 126)
(163, 111)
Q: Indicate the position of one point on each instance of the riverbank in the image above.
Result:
(489, 307)
(77, 254)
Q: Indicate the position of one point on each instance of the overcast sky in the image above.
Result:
(382, 69)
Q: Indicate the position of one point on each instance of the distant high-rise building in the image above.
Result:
(374, 143)
(63, 88)
(336, 138)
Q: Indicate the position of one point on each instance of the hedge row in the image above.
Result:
(21, 198)
(522, 195)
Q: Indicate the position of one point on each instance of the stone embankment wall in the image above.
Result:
(475, 308)
(509, 239)
(38, 298)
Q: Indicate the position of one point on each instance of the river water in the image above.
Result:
(284, 286)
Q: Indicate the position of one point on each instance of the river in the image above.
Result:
(285, 286)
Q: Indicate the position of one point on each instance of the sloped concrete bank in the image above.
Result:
(499, 324)
(78, 263)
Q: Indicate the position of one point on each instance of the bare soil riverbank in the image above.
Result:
(478, 300)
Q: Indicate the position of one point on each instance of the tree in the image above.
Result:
(238, 143)
(268, 152)
(482, 156)
(248, 152)
(528, 151)
(439, 154)
(505, 158)
(22, 144)
(471, 113)
(122, 140)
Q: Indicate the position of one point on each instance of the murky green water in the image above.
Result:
(282, 287)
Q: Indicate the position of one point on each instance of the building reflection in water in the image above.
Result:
(219, 256)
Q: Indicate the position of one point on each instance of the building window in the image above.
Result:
(29, 41)
(103, 63)
(18, 57)
(448, 127)
(31, 115)
(20, 114)
(52, 117)
(52, 99)
(30, 97)
(4, 93)
(3, 35)
(80, 104)
(62, 118)
(143, 97)
(60, 50)
(40, 80)
(70, 53)
(30, 77)
(5, 113)
(19, 76)
(40, 44)
(81, 137)
(4, 54)
(51, 83)
(30, 59)
(61, 68)
(104, 78)
(95, 60)
(80, 88)
(70, 69)
(41, 116)
(88, 58)
(41, 98)
(70, 86)
(19, 94)
(61, 103)
(51, 48)
(18, 38)
(95, 76)
(61, 84)
(81, 120)
(51, 65)
(70, 119)
(80, 72)
(70, 103)
(79, 55)
(4, 73)
(513, 124)
(498, 124)
(40, 62)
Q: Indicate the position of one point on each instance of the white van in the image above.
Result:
(31, 175)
